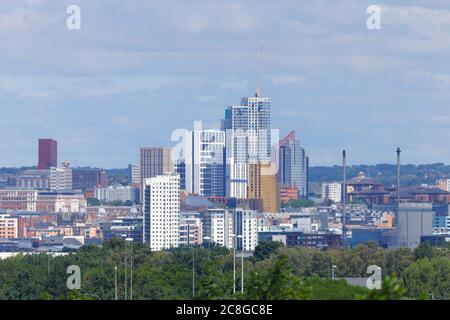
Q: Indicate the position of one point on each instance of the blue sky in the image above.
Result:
(138, 69)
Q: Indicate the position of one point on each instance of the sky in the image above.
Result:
(137, 70)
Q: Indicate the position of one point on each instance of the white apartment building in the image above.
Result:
(209, 166)
(134, 172)
(222, 224)
(162, 211)
(201, 161)
(218, 225)
(245, 224)
(332, 191)
(61, 178)
(191, 232)
(115, 193)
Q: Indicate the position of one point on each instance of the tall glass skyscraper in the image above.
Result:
(293, 169)
(248, 132)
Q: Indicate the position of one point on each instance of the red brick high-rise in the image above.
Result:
(48, 154)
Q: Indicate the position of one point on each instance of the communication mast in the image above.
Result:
(260, 72)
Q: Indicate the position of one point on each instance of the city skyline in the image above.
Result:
(224, 151)
(333, 81)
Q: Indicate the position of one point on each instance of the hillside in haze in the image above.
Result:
(383, 173)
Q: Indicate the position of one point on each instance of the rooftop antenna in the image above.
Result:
(260, 72)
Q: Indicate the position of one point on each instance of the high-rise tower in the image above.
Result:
(293, 165)
(48, 154)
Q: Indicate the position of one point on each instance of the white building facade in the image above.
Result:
(61, 178)
(162, 211)
(224, 225)
(332, 191)
(116, 193)
(201, 161)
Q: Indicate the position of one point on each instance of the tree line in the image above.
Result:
(273, 272)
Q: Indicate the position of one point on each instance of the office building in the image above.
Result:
(11, 227)
(41, 201)
(123, 227)
(179, 167)
(34, 179)
(201, 165)
(134, 174)
(48, 154)
(263, 185)
(61, 177)
(117, 193)
(384, 237)
(332, 191)
(60, 201)
(88, 179)
(414, 221)
(18, 199)
(441, 218)
(162, 211)
(293, 165)
(221, 224)
(297, 238)
(288, 193)
(155, 161)
(248, 138)
(8, 181)
(436, 239)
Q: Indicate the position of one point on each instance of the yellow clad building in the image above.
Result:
(263, 185)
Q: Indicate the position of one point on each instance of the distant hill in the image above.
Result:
(384, 173)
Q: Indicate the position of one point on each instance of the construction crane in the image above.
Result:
(260, 72)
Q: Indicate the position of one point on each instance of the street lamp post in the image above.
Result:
(193, 260)
(126, 263)
(130, 240)
(209, 246)
(193, 272)
(242, 265)
(115, 282)
(234, 262)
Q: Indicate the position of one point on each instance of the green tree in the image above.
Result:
(428, 277)
(301, 203)
(423, 251)
(266, 248)
(391, 289)
(93, 202)
(275, 283)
